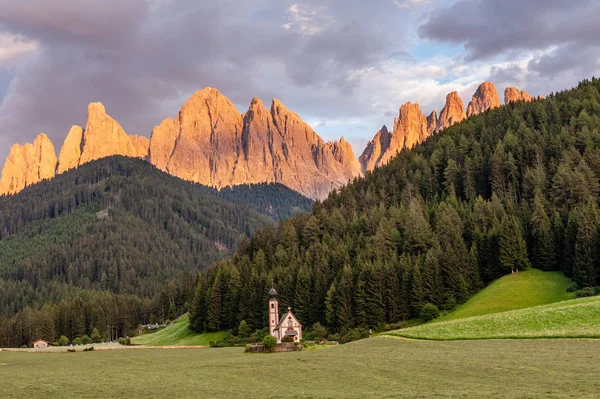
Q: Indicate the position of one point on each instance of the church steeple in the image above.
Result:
(273, 314)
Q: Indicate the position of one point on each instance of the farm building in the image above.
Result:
(41, 344)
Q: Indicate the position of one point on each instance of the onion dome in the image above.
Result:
(272, 293)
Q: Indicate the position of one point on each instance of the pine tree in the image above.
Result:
(513, 250)
(586, 246)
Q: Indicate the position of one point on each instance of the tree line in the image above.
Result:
(513, 188)
(120, 229)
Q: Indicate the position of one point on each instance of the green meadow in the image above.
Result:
(515, 291)
(577, 318)
(382, 367)
(178, 334)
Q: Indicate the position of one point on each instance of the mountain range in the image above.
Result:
(211, 143)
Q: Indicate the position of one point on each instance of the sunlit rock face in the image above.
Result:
(453, 112)
(28, 164)
(103, 136)
(513, 95)
(210, 142)
(485, 98)
(410, 128)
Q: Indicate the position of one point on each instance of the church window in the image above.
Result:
(272, 306)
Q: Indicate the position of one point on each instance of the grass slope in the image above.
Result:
(515, 291)
(178, 334)
(372, 368)
(577, 318)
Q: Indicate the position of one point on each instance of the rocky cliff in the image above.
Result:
(410, 128)
(512, 94)
(28, 164)
(485, 98)
(453, 112)
(210, 142)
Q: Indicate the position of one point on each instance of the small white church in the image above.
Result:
(287, 326)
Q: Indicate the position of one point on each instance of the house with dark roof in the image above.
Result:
(286, 326)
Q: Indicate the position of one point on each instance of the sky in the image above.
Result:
(345, 66)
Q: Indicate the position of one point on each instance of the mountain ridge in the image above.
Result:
(211, 143)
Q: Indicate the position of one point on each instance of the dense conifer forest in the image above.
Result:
(513, 188)
(117, 243)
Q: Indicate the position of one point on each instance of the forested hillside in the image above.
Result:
(114, 242)
(512, 188)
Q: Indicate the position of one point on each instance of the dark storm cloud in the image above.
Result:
(488, 28)
(142, 58)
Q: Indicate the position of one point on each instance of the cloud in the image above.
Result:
(492, 28)
(411, 4)
(307, 20)
(344, 65)
(142, 59)
(14, 47)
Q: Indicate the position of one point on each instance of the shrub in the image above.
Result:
(127, 341)
(429, 312)
(287, 339)
(269, 342)
(572, 287)
(319, 332)
(258, 335)
(77, 341)
(96, 337)
(585, 292)
(71, 350)
(63, 341)
(352, 335)
(122, 341)
(86, 340)
(91, 348)
(243, 330)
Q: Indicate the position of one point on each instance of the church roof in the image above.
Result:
(285, 317)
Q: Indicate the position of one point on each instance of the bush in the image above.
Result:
(86, 340)
(96, 337)
(243, 330)
(77, 341)
(429, 312)
(63, 341)
(122, 341)
(585, 292)
(91, 348)
(450, 304)
(258, 335)
(572, 287)
(71, 350)
(127, 341)
(269, 342)
(287, 339)
(319, 332)
(353, 335)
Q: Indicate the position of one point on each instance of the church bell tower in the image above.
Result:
(273, 314)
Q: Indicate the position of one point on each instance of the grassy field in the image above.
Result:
(178, 334)
(577, 318)
(515, 291)
(381, 367)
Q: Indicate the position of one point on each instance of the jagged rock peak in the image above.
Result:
(141, 145)
(431, 123)
(485, 98)
(375, 149)
(28, 164)
(512, 95)
(453, 112)
(103, 136)
(411, 125)
(70, 152)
